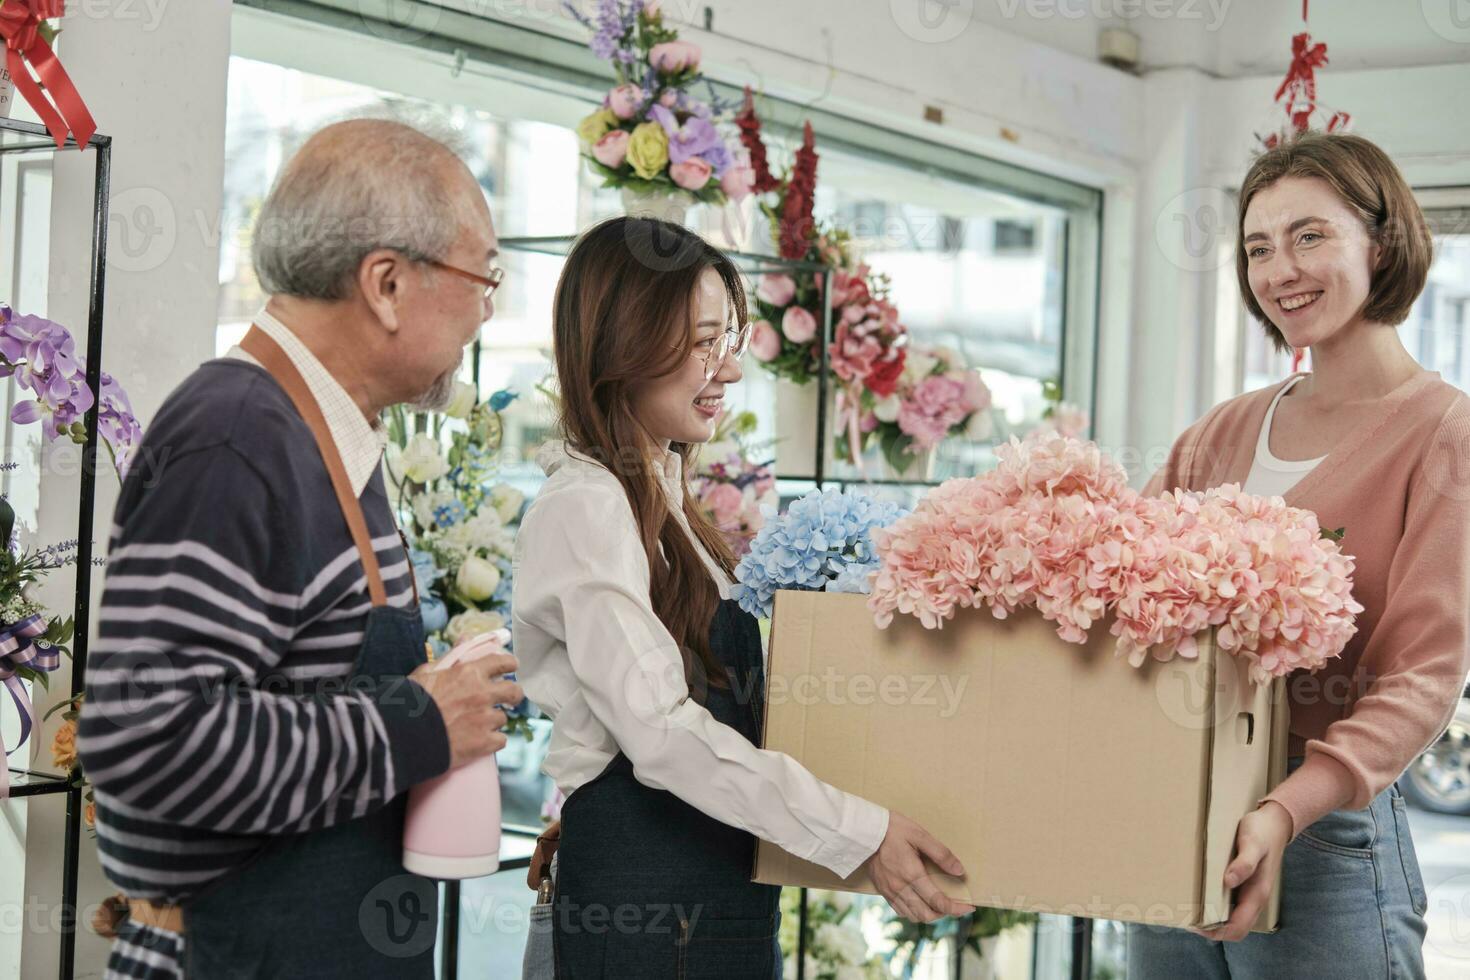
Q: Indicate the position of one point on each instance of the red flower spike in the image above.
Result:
(750, 136)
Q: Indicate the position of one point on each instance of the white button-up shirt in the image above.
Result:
(359, 441)
(596, 658)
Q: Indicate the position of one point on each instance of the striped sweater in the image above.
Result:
(218, 714)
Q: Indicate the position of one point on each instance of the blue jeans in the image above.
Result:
(1352, 908)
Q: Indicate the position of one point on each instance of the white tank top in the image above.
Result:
(1269, 476)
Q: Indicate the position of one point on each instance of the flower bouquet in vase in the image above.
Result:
(463, 521)
(652, 138)
(933, 398)
(733, 489)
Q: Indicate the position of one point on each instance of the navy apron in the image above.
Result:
(647, 885)
(333, 903)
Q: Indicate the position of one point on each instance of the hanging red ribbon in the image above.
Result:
(26, 48)
(1300, 80)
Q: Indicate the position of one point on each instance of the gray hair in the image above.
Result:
(355, 187)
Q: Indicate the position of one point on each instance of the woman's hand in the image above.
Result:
(1260, 840)
(897, 868)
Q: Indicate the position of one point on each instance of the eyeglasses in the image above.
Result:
(490, 282)
(732, 343)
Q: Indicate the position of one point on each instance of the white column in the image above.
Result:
(153, 74)
(1184, 230)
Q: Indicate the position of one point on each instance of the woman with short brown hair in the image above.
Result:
(1333, 252)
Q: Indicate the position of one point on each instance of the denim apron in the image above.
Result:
(333, 904)
(647, 885)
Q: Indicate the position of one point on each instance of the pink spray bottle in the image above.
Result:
(453, 825)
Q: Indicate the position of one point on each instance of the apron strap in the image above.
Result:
(260, 345)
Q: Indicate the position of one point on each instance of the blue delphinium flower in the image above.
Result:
(449, 514)
(821, 542)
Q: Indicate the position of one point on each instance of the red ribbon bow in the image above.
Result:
(1300, 79)
(20, 28)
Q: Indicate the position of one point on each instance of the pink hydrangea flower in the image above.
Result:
(1055, 526)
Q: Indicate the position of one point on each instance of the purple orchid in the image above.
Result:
(116, 422)
(41, 356)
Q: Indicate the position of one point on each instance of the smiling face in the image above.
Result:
(683, 406)
(1310, 260)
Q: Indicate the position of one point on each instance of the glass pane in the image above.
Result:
(1435, 330)
(971, 269)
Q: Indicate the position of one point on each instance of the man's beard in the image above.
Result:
(436, 397)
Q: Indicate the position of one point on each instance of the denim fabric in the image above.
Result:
(648, 886)
(1352, 908)
(334, 904)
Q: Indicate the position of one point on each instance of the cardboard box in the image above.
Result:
(1064, 779)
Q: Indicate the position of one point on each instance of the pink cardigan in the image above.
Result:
(1401, 489)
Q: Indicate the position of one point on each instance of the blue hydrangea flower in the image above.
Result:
(503, 591)
(822, 542)
(425, 572)
(433, 612)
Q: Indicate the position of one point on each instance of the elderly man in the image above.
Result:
(257, 705)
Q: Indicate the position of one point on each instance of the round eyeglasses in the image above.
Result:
(732, 343)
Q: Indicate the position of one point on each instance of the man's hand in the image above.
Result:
(467, 694)
(1260, 840)
(897, 868)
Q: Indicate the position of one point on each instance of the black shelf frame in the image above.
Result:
(36, 139)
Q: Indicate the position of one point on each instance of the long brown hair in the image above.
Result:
(624, 315)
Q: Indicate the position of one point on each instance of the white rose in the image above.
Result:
(477, 579)
(507, 501)
(422, 460)
(918, 365)
(980, 427)
(461, 400)
(887, 409)
(471, 624)
(947, 355)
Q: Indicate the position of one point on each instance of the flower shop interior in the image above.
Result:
(1034, 199)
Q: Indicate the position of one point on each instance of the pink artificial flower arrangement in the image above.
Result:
(932, 397)
(790, 306)
(733, 490)
(1056, 526)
